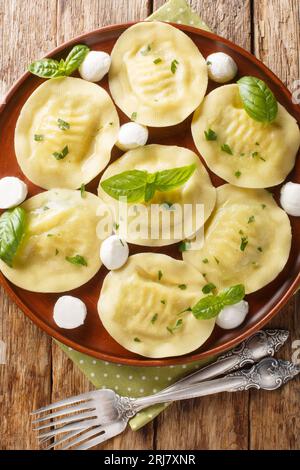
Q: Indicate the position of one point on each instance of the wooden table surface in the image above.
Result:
(37, 372)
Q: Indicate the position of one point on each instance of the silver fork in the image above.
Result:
(109, 413)
(259, 345)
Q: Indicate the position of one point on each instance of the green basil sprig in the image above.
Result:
(51, 68)
(211, 305)
(12, 229)
(258, 100)
(139, 185)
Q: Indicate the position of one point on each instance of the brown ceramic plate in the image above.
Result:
(92, 338)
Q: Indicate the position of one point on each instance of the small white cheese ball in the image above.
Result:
(132, 135)
(221, 67)
(114, 252)
(13, 192)
(69, 312)
(233, 315)
(290, 198)
(96, 64)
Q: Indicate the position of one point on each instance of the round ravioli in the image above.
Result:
(237, 148)
(169, 216)
(247, 240)
(157, 77)
(60, 249)
(65, 133)
(143, 313)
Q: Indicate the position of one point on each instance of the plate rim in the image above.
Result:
(141, 361)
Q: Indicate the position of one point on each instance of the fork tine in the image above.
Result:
(68, 427)
(68, 401)
(85, 436)
(65, 438)
(67, 419)
(64, 411)
(94, 442)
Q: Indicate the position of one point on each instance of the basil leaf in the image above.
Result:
(131, 184)
(47, 68)
(258, 100)
(78, 260)
(210, 306)
(75, 58)
(167, 180)
(149, 191)
(12, 229)
(233, 295)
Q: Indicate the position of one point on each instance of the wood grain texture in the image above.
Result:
(37, 372)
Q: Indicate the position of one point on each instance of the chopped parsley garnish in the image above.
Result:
(163, 301)
(263, 206)
(174, 65)
(210, 135)
(263, 159)
(205, 261)
(184, 246)
(82, 190)
(255, 154)
(244, 243)
(111, 123)
(154, 318)
(208, 288)
(45, 208)
(256, 143)
(241, 232)
(62, 154)
(208, 62)
(182, 286)
(78, 260)
(178, 324)
(63, 125)
(157, 61)
(146, 50)
(160, 275)
(56, 251)
(237, 174)
(225, 148)
(137, 340)
(259, 248)
(251, 219)
(217, 261)
(116, 226)
(134, 116)
(38, 137)
(49, 234)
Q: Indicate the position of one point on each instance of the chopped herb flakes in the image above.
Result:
(178, 324)
(208, 62)
(157, 61)
(134, 116)
(210, 135)
(225, 148)
(205, 261)
(244, 243)
(56, 252)
(137, 340)
(251, 219)
(38, 137)
(163, 301)
(146, 50)
(237, 174)
(216, 260)
(116, 226)
(263, 206)
(82, 190)
(78, 260)
(184, 246)
(174, 65)
(154, 318)
(63, 125)
(182, 286)
(62, 154)
(255, 154)
(208, 288)
(259, 248)
(160, 275)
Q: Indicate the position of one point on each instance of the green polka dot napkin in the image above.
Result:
(141, 381)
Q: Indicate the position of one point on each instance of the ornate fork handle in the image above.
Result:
(268, 374)
(261, 344)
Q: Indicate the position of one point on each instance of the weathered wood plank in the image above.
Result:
(216, 422)
(25, 381)
(274, 416)
(73, 18)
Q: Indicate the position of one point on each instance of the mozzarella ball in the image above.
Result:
(233, 315)
(96, 64)
(221, 67)
(290, 198)
(132, 135)
(69, 312)
(114, 252)
(13, 192)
